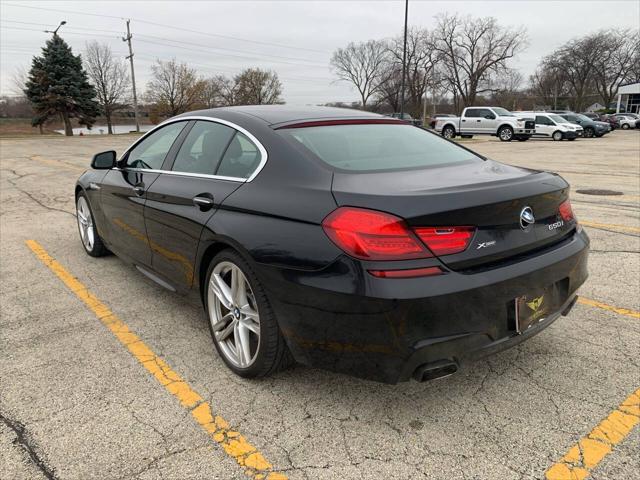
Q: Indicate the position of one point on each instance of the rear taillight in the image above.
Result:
(446, 240)
(566, 212)
(372, 235)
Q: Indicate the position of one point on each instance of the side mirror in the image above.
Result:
(489, 117)
(104, 160)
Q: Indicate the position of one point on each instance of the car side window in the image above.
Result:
(202, 148)
(241, 158)
(540, 120)
(151, 152)
(472, 113)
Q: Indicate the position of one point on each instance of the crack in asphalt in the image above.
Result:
(27, 444)
(28, 194)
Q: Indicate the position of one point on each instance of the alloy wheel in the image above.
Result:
(233, 313)
(506, 134)
(85, 223)
(448, 133)
(557, 136)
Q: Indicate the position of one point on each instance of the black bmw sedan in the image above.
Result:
(337, 238)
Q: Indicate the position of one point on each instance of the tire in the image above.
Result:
(589, 132)
(91, 241)
(625, 126)
(449, 132)
(505, 134)
(271, 353)
(557, 135)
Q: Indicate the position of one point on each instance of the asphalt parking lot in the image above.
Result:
(103, 374)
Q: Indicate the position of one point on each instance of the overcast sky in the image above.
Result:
(294, 38)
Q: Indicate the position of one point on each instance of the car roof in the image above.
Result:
(280, 114)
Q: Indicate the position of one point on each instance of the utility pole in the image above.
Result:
(424, 104)
(133, 76)
(404, 58)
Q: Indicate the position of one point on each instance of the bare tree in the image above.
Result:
(474, 49)
(508, 89)
(421, 61)
(575, 61)
(254, 86)
(174, 87)
(211, 95)
(619, 52)
(110, 77)
(19, 81)
(361, 64)
(549, 85)
(388, 91)
(218, 91)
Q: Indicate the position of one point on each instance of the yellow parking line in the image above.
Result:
(604, 306)
(624, 228)
(585, 455)
(233, 443)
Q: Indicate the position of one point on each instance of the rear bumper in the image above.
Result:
(345, 320)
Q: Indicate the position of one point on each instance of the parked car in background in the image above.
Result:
(591, 128)
(434, 118)
(611, 120)
(407, 118)
(600, 117)
(495, 121)
(634, 115)
(550, 125)
(626, 121)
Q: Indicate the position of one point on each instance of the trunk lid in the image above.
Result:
(487, 195)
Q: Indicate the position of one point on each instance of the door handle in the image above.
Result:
(203, 202)
(477, 120)
(139, 190)
(463, 120)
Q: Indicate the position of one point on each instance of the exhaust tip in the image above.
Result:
(434, 370)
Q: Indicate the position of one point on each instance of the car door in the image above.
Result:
(544, 126)
(470, 122)
(488, 122)
(203, 173)
(123, 192)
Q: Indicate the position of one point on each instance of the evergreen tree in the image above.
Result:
(58, 85)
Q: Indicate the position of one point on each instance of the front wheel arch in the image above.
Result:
(449, 127)
(505, 127)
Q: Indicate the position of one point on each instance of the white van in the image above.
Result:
(550, 125)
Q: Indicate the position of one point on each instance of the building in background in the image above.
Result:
(628, 98)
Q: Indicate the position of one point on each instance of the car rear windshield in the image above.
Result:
(375, 147)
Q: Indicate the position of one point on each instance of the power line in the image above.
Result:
(66, 32)
(254, 55)
(221, 48)
(47, 25)
(257, 42)
(208, 50)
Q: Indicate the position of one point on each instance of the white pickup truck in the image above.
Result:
(494, 121)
